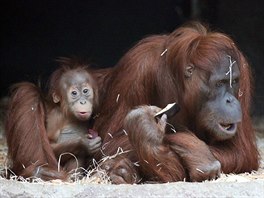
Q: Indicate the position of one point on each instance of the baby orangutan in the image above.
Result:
(42, 130)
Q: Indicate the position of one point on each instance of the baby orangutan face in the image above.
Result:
(76, 95)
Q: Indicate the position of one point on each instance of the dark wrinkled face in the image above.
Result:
(221, 112)
(77, 94)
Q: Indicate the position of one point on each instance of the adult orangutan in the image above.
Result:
(210, 79)
(41, 129)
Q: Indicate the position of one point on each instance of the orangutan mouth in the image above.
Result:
(228, 127)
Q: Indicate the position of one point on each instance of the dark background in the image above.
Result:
(35, 32)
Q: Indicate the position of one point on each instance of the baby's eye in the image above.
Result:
(85, 91)
(74, 93)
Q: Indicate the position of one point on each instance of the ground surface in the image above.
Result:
(242, 185)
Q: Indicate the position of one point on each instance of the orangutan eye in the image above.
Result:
(235, 81)
(220, 83)
(86, 91)
(74, 93)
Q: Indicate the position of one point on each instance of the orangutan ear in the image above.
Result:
(189, 70)
(55, 98)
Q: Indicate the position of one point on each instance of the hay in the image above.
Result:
(95, 175)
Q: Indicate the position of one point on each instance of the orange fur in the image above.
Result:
(34, 123)
(145, 77)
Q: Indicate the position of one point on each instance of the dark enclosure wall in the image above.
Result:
(35, 32)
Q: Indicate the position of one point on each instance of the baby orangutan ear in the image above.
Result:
(55, 98)
(189, 70)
